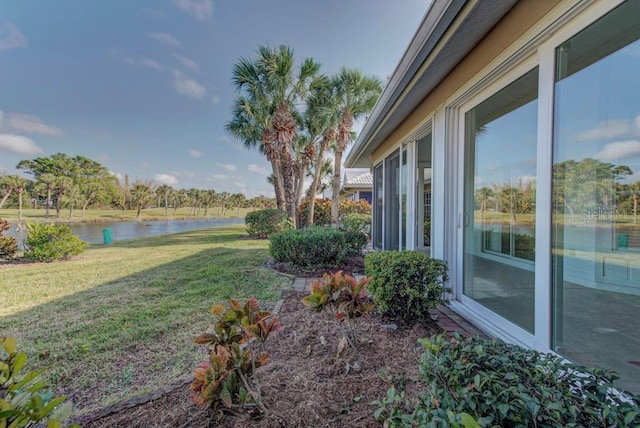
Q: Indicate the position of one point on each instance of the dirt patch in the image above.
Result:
(305, 382)
(353, 265)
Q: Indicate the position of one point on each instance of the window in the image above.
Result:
(596, 183)
(499, 194)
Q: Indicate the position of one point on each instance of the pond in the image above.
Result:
(93, 232)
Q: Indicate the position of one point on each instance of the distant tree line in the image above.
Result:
(64, 182)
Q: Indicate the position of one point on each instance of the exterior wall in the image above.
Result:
(520, 19)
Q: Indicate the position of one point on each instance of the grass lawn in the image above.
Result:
(118, 321)
(11, 214)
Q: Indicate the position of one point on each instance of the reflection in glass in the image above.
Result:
(596, 166)
(377, 207)
(392, 202)
(499, 235)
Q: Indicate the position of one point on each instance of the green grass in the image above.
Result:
(118, 321)
(100, 215)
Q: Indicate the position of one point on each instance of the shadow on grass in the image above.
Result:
(121, 337)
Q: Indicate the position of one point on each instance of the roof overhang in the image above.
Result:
(449, 31)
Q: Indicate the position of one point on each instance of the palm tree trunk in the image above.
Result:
(277, 184)
(20, 204)
(316, 181)
(5, 197)
(335, 184)
(166, 203)
(48, 202)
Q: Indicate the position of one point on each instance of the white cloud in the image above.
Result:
(227, 166)
(240, 185)
(19, 144)
(199, 9)
(167, 179)
(144, 62)
(221, 177)
(165, 38)
(638, 121)
(31, 124)
(195, 154)
(188, 86)
(215, 99)
(11, 37)
(619, 150)
(258, 169)
(605, 130)
(187, 63)
(1, 116)
(116, 174)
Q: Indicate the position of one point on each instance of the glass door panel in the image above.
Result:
(499, 201)
(596, 187)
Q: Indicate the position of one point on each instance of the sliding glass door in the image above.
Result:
(499, 201)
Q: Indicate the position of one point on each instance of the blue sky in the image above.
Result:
(144, 87)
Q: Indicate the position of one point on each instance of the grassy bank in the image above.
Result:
(91, 216)
(118, 321)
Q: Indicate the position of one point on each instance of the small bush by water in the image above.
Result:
(310, 248)
(46, 242)
(263, 223)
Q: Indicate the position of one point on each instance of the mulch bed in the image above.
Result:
(305, 383)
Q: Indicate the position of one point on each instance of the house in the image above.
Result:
(357, 184)
(522, 120)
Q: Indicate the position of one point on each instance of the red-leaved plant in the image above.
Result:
(345, 297)
(227, 381)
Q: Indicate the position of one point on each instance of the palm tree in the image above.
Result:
(61, 185)
(20, 185)
(48, 182)
(266, 115)
(141, 195)
(322, 112)
(162, 193)
(356, 95)
(209, 197)
(9, 182)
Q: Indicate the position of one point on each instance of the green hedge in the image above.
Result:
(46, 242)
(262, 223)
(310, 248)
(481, 383)
(406, 284)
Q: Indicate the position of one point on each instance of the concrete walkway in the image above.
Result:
(448, 320)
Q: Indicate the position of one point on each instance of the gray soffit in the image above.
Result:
(438, 45)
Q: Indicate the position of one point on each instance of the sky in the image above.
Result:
(144, 87)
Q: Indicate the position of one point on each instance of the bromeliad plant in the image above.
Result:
(226, 381)
(345, 297)
(26, 402)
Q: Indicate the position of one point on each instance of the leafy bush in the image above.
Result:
(25, 402)
(226, 381)
(357, 222)
(262, 223)
(8, 244)
(344, 296)
(496, 384)
(355, 241)
(46, 242)
(406, 283)
(322, 210)
(310, 248)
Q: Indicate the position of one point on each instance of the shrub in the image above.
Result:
(322, 210)
(46, 242)
(262, 223)
(310, 248)
(496, 384)
(345, 297)
(354, 242)
(406, 284)
(25, 402)
(226, 381)
(8, 244)
(357, 222)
